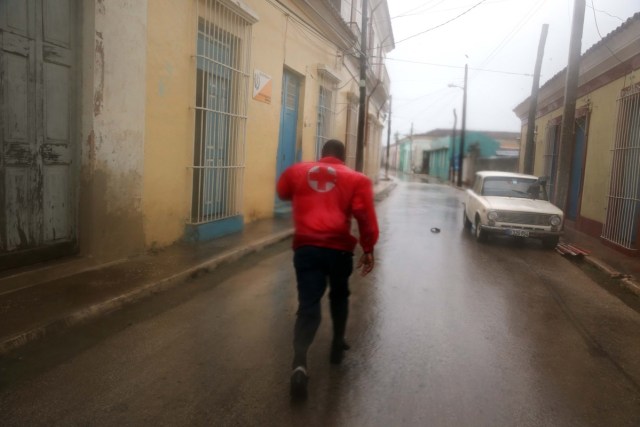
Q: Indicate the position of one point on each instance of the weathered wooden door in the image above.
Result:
(37, 219)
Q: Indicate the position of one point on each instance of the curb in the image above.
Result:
(628, 282)
(104, 307)
(604, 267)
(631, 285)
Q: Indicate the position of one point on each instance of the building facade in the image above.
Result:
(603, 197)
(436, 153)
(133, 125)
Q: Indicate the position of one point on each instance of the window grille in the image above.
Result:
(325, 118)
(623, 208)
(352, 134)
(551, 157)
(222, 85)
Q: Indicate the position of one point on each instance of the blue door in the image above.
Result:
(288, 130)
(577, 167)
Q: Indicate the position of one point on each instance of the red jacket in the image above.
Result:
(325, 195)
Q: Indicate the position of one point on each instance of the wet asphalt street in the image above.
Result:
(445, 332)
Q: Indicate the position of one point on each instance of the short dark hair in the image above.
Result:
(333, 148)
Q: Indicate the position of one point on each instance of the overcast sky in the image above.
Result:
(499, 41)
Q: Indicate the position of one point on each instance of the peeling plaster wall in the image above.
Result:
(113, 117)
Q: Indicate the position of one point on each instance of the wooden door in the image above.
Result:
(37, 203)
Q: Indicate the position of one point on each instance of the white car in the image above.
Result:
(512, 204)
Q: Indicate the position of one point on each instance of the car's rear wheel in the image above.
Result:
(481, 235)
(465, 220)
(550, 242)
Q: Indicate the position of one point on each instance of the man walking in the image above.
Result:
(325, 195)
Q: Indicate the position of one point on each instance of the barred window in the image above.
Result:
(622, 222)
(222, 85)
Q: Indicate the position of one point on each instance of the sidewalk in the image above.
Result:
(40, 300)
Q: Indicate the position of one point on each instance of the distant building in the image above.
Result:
(435, 153)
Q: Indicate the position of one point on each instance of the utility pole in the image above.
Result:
(411, 150)
(386, 168)
(452, 175)
(529, 146)
(463, 126)
(567, 137)
(363, 90)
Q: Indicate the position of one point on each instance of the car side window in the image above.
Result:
(477, 186)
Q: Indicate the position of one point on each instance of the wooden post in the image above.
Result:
(529, 148)
(386, 168)
(463, 126)
(363, 90)
(567, 137)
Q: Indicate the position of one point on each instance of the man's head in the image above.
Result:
(334, 148)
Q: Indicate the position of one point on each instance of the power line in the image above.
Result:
(605, 12)
(443, 24)
(598, 30)
(513, 32)
(460, 67)
(412, 12)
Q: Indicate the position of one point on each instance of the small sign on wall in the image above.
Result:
(262, 87)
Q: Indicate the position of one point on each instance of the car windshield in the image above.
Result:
(524, 188)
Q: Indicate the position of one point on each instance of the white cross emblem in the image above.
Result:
(321, 178)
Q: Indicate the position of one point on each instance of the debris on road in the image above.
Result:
(573, 250)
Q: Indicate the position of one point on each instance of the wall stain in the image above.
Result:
(91, 144)
(24, 240)
(99, 67)
(110, 228)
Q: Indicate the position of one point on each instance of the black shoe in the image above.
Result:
(337, 352)
(299, 380)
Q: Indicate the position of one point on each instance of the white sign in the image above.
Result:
(261, 87)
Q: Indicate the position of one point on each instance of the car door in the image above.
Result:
(473, 198)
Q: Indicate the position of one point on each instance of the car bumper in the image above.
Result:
(518, 232)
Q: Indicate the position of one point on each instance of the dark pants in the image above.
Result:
(313, 266)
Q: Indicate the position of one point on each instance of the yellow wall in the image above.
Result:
(600, 137)
(538, 167)
(169, 120)
(523, 146)
(264, 119)
(600, 141)
(277, 43)
(280, 42)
